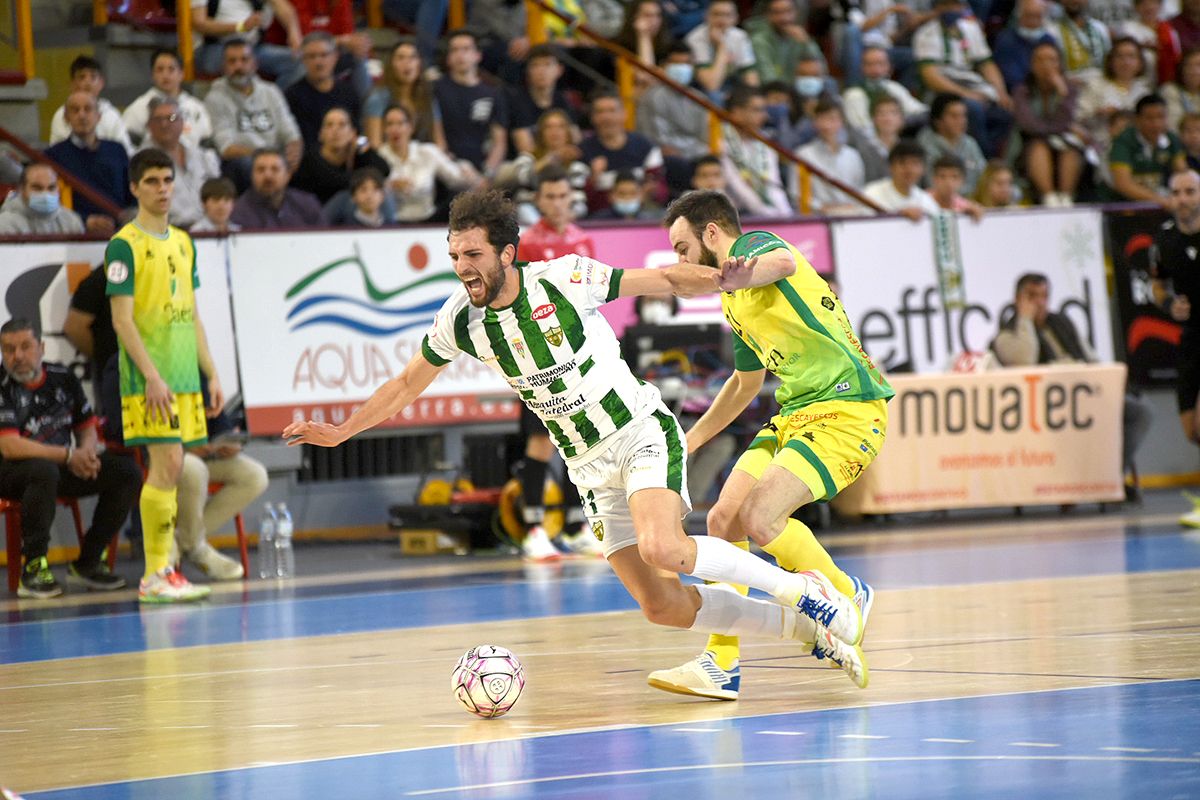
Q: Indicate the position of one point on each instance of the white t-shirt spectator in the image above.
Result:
(957, 52)
(426, 164)
(887, 195)
(845, 164)
(737, 44)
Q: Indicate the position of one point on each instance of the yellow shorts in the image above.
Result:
(188, 424)
(826, 445)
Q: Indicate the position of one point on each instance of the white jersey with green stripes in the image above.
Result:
(555, 350)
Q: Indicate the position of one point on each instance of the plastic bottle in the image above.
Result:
(267, 560)
(285, 558)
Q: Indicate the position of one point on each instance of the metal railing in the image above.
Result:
(76, 184)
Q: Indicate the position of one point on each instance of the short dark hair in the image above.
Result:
(549, 174)
(364, 175)
(678, 47)
(741, 96)
(700, 207)
(825, 105)
(325, 37)
(32, 165)
(217, 189)
(145, 160)
(906, 148)
(625, 176)
(883, 100)
(457, 32)
(489, 209)
(544, 50)
(403, 109)
(233, 41)
(1147, 101)
(266, 151)
(937, 109)
(950, 161)
(1031, 279)
(82, 63)
(704, 161)
(603, 94)
(165, 51)
(18, 324)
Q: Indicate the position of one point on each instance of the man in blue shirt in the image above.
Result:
(101, 164)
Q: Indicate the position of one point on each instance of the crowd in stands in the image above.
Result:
(1024, 102)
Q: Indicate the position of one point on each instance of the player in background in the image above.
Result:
(553, 236)
(1176, 273)
(539, 326)
(831, 424)
(151, 271)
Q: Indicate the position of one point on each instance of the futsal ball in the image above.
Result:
(487, 681)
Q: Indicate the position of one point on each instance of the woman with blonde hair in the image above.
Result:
(554, 145)
(995, 186)
(405, 84)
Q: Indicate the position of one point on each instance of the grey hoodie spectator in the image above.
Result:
(35, 208)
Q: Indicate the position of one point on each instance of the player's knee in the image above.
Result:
(664, 552)
(759, 524)
(722, 520)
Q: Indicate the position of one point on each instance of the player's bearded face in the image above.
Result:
(485, 284)
(708, 258)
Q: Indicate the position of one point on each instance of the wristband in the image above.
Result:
(70, 449)
(240, 27)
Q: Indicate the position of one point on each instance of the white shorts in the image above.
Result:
(649, 454)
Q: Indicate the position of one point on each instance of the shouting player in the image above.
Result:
(539, 326)
(831, 423)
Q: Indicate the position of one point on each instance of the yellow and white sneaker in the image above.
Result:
(1192, 518)
(849, 658)
(700, 677)
(169, 586)
(829, 608)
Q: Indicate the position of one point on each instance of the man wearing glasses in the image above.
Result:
(193, 164)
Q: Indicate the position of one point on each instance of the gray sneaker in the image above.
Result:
(215, 565)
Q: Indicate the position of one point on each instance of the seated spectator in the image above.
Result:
(876, 23)
(722, 50)
(1033, 334)
(1014, 45)
(887, 121)
(553, 146)
(995, 188)
(1052, 143)
(414, 168)
(858, 100)
(527, 103)
(475, 115)
(218, 196)
(901, 191)
(612, 148)
(830, 153)
(1144, 29)
(1143, 157)
(627, 201)
(1083, 40)
(644, 33)
(947, 135)
(249, 114)
(954, 59)
(555, 234)
(336, 18)
(946, 187)
(223, 21)
(1118, 89)
(1183, 94)
(193, 165)
(1180, 34)
(366, 196)
(325, 171)
(405, 84)
(678, 125)
(812, 82)
(166, 71)
(708, 174)
(36, 208)
(88, 76)
(270, 203)
(751, 168)
(786, 123)
(50, 450)
(100, 163)
(320, 89)
(1189, 137)
(779, 41)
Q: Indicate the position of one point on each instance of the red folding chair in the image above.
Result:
(11, 510)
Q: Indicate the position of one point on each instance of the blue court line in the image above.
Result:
(1131, 741)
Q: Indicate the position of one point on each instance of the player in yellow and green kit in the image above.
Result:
(831, 423)
(151, 270)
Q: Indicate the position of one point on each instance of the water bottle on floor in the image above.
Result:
(267, 562)
(285, 558)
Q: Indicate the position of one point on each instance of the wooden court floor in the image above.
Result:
(171, 691)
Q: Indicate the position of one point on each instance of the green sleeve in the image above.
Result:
(755, 243)
(744, 359)
(195, 272)
(1121, 152)
(118, 267)
(430, 356)
(614, 285)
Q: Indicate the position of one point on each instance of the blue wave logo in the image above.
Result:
(378, 312)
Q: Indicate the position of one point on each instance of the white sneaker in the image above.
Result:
(850, 659)
(169, 586)
(829, 608)
(700, 677)
(1192, 518)
(536, 546)
(215, 565)
(585, 544)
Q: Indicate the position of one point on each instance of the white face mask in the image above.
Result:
(655, 312)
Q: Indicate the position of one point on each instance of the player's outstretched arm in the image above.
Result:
(389, 399)
(681, 280)
(731, 401)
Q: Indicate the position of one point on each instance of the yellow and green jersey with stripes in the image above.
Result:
(797, 329)
(160, 273)
(555, 350)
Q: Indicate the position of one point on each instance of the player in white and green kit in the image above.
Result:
(539, 326)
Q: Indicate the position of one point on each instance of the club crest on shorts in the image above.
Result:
(851, 469)
(598, 530)
(554, 335)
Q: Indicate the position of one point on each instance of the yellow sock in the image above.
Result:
(725, 649)
(158, 509)
(797, 550)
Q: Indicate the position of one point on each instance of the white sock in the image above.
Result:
(721, 561)
(728, 613)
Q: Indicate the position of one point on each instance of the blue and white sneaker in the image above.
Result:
(850, 659)
(829, 608)
(864, 598)
(700, 677)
